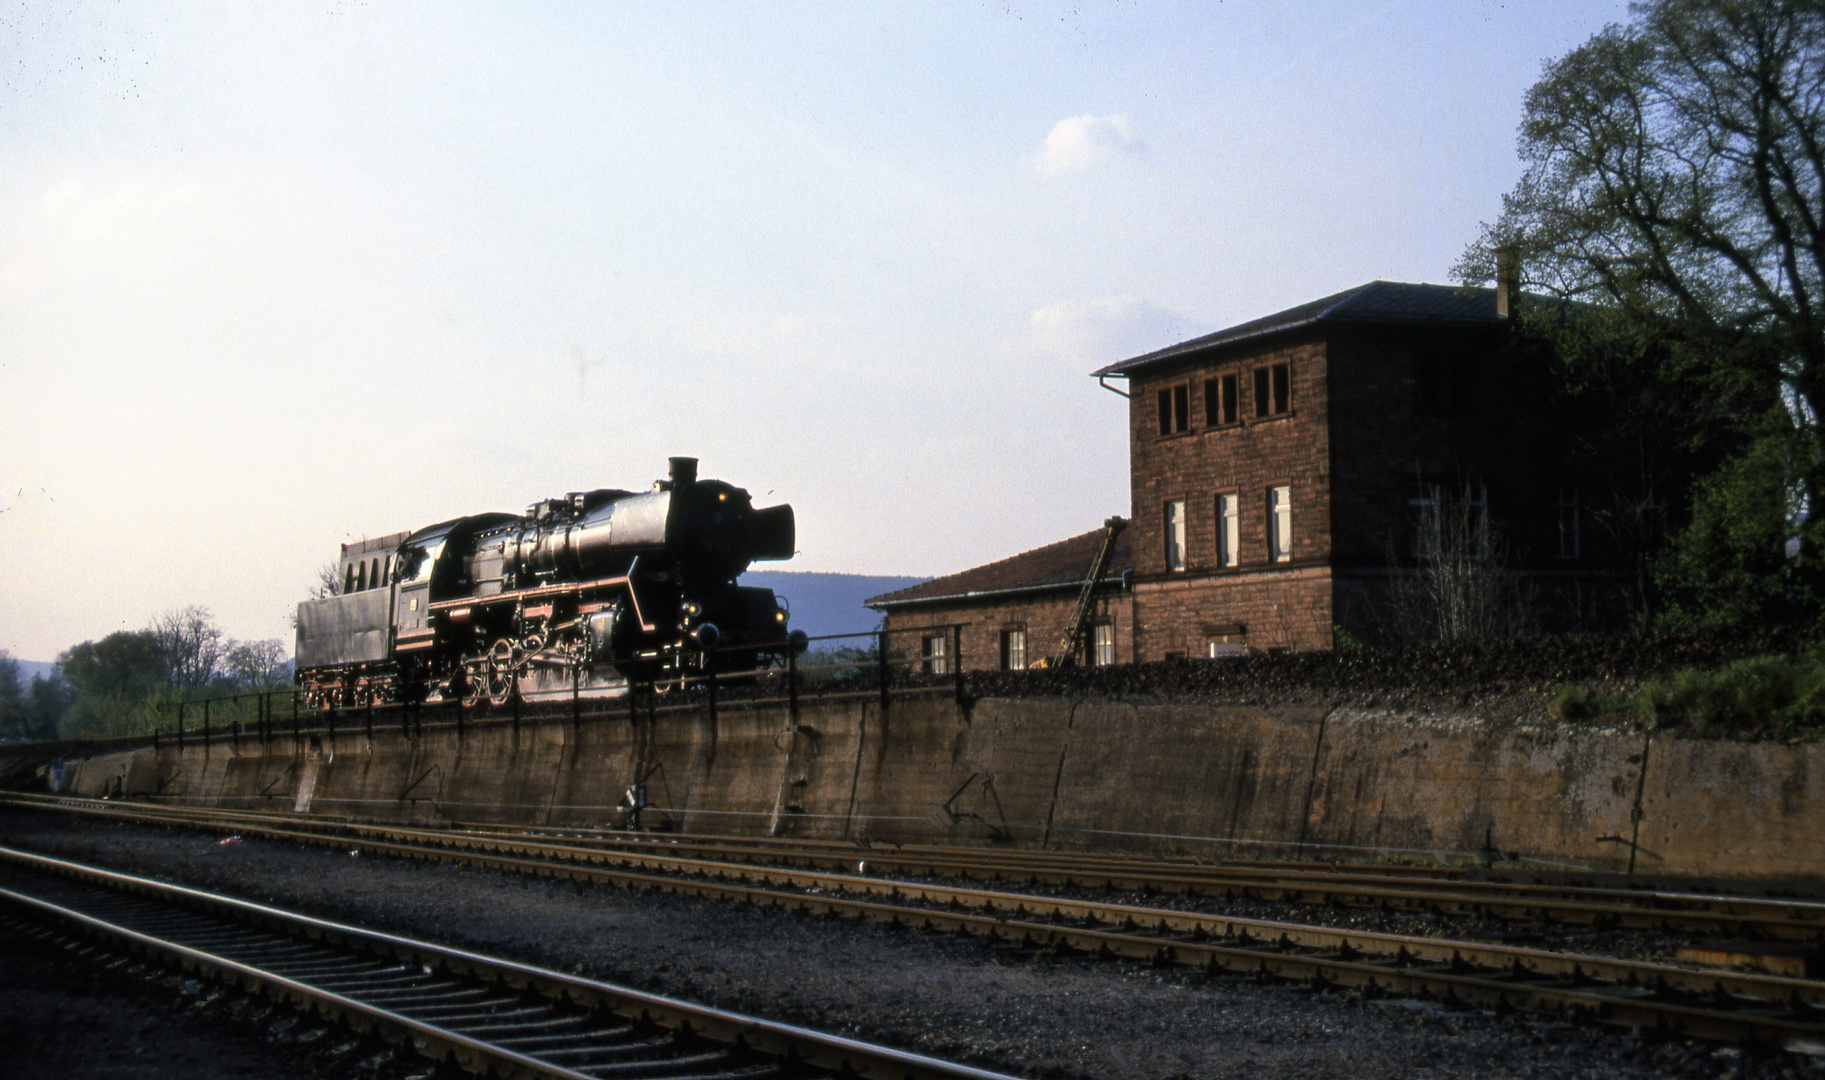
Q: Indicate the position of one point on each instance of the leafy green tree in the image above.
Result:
(125, 664)
(1675, 184)
(113, 683)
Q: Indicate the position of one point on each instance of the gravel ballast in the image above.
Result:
(1014, 1011)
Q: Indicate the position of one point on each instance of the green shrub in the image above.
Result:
(1577, 702)
(1761, 697)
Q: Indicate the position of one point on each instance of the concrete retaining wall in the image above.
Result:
(1059, 774)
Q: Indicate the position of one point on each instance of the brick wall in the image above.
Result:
(1280, 604)
(1277, 608)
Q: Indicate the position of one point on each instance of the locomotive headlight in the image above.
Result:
(779, 617)
(691, 610)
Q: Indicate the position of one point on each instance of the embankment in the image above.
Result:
(1218, 779)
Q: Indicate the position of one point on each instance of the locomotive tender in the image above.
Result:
(580, 596)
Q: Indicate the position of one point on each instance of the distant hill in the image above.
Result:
(829, 603)
(29, 668)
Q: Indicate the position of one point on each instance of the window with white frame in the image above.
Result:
(1280, 523)
(1014, 649)
(1567, 507)
(935, 648)
(1102, 644)
(1229, 530)
(1474, 517)
(1175, 535)
(1427, 510)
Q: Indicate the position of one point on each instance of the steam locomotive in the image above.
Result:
(578, 596)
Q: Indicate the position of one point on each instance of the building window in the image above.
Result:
(1452, 524)
(1102, 644)
(1273, 390)
(1220, 405)
(1567, 507)
(1014, 649)
(935, 648)
(1474, 518)
(1175, 535)
(1280, 523)
(1439, 385)
(1175, 409)
(1229, 530)
(1427, 519)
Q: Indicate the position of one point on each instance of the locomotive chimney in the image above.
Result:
(684, 471)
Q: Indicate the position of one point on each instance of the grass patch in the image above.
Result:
(1762, 697)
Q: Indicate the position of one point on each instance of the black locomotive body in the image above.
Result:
(577, 597)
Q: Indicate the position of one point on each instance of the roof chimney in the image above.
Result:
(1507, 280)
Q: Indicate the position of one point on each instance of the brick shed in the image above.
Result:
(1015, 610)
(1317, 470)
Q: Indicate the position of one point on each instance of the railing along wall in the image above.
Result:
(873, 670)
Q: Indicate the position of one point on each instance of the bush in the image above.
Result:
(1761, 697)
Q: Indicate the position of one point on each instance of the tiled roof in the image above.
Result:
(1053, 566)
(1383, 303)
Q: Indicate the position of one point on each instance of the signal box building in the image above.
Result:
(1289, 474)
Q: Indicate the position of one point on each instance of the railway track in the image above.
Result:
(826, 864)
(486, 1014)
(1762, 1009)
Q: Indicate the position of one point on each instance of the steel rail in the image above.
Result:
(1707, 1003)
(1661, 911)
(485, 1013)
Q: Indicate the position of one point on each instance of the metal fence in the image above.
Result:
(871, 669)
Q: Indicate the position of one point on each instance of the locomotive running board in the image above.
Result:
(623, 581)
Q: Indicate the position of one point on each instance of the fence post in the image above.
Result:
(881, 641)
(957, 663)
(294, 717)
(633, 714)
(516, 714)
(180, 725)
(576, 697)
(370, 716)
(709, 670)
(792, 684)
(205, 724)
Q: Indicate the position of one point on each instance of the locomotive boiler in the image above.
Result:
(579, 596)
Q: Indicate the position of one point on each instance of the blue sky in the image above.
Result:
(275, 278)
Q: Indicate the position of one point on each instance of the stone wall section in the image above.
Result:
(1219, 781)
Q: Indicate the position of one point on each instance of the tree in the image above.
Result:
(1676, 180)
(1461, 586)
(127, 664)
(257, 665)
(191, 646)
(111, 681)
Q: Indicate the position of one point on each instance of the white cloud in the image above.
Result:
(1077, 143)
(1103, 330)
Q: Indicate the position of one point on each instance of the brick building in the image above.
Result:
(1295, 475)
(1014, 611)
